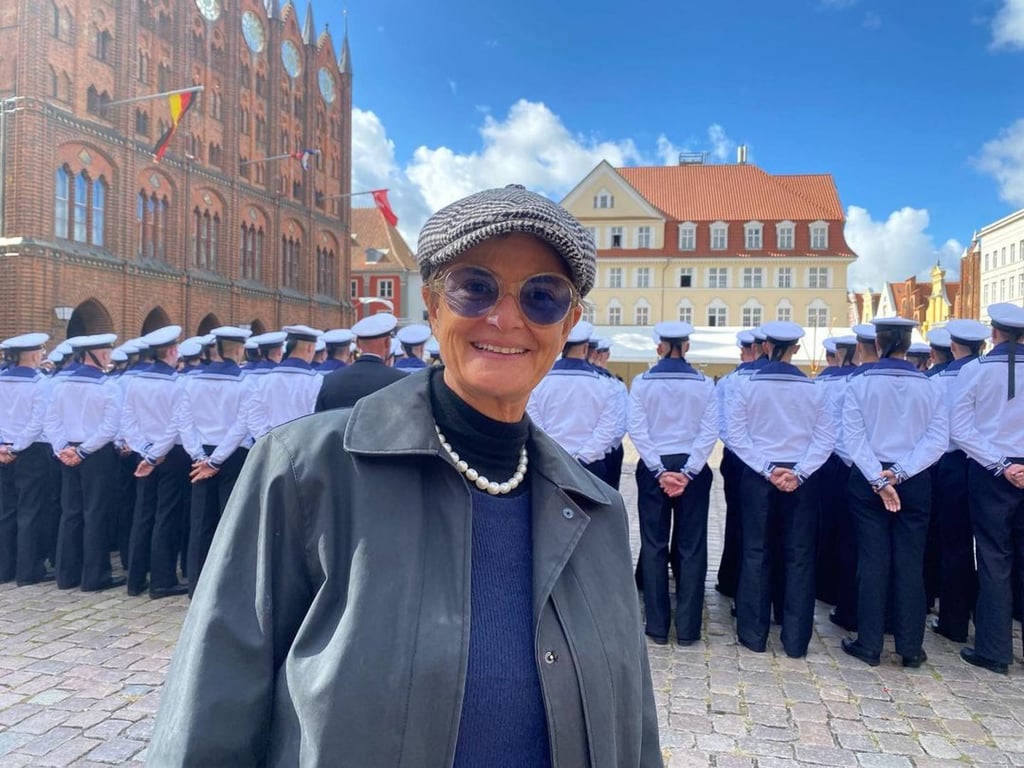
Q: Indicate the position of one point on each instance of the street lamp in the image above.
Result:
(367, 300)
(63, 313)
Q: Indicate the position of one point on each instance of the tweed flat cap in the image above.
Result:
(470, 221)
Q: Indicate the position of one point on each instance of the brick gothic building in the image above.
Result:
(95, 236)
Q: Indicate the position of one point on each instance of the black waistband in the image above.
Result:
(784, 464)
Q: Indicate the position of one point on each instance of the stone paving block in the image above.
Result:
(107, 729)
(12, 740)
(769, 716)
(13, 715)
(734, 761)
(116, 751)
(733, 725)
(856, 742)
(67, 753)
(875, 760)
(816, 755)
(898, 744)
(966, 729)
(877, 725)
(41, 722)
(49, 741)
(937, 746)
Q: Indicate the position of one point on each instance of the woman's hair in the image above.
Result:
(844, 354)
(674, 345)
(892, 341)
(779, 349)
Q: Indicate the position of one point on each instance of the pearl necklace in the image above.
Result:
(479, 480)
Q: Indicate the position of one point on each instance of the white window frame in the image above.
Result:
(718, 277)
(642, 277)
(751, 314)
(753, 277)
(684, 311)
(616, 232)
(753, 236)
(819, 278)
(784, 272)
(785, 236)
(614, 312)
(817, 306)
(719, 236)
(604, 199)
(642, 306)
(386, 288)
(784, 310)
(819, 235)
(643, 237)
(687, 272)
(687, 236)
(614, 277)
(720, 308)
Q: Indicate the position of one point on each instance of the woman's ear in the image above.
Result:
(430, 299)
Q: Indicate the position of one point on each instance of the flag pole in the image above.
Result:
(354, 194)
(276, 157)
(193, 89)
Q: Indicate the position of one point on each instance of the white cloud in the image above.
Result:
(1008, 26)
(871, 20)
(1003, 159)
(894, 249)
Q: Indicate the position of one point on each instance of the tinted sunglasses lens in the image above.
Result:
(470, 291)
(545, 299)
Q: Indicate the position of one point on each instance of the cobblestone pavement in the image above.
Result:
(80, 676)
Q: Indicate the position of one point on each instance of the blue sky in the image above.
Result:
(913, 105)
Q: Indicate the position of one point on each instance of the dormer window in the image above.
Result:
(819, 236)
(375, 255)
(604, 199)
(752, 235)
(719, 236)
(784, 235)
(687, 236)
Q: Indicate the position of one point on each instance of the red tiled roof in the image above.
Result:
(952, 290)
(370, 230)
(735, 193)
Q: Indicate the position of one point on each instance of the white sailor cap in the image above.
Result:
(197, 339)
(230, 333)
(865, 332)
(894, 322)
(269, 339)
(674, 330)
(603, 345)
(97, 341)
(66, 347)
(190, 348)
(414, 334)
(967, 331)
(830, 345)
(321, 345)
(27, 342)
(375, 326)
(919, 348)
(396, 348)
(580, 333)
(163, 337)
(55, 357)
(939, 337)
(140, 344)
(845, 341)
(118, 356)
(432, 348)
(783, 331)
(744, 338)
(302, 332)
(338, 336)
(759, 334)
(130, 348)
(250, 343)
(1006, 316)
(208, 339)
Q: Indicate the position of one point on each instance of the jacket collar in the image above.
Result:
(398, 420)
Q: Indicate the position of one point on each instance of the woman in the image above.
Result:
(372, 599)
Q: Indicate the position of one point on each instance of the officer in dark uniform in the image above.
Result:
(988, 421)
(412, 338)
(24, 462)
(673, 422)
(894, 427)
(781, 428)
(82, 420)
(342, 388)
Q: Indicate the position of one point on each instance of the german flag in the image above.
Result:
(180, 103)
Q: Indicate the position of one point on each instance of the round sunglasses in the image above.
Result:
(472, 291)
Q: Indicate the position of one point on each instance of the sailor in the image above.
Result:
(213, 422)
(189, 352)
(319, 352)
(829, 345)
(987, 423)
(894, 427)
(673, 422)
(571, 403)
(939, 343)
(82, 420)
(866, 355)
(209, 342)
(290, 389)
(412, 338)
(599, 350)
(338, 341)
(25, 523)
(837, 548)
(343, 387)
(920, 355)
(731, 467)
(150, 402)
(780, 427)
(269, 348)
(957, 587)
(433, 350)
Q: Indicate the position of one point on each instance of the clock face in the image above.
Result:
(209, 8)
(253, 32)
(327, 87)
(290, 59)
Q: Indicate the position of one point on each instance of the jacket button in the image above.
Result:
(568, 514)
(550, 657)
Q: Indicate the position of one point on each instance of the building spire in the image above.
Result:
(273, 9)
(345, 60)
(309, 28)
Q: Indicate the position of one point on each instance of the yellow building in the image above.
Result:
(714, 245)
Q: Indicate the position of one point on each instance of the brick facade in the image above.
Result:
(181, 259)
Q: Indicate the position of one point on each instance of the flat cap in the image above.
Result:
(939, 337)
(269, 339)
(894, 322)
(673, 329)
(920, 348)
(374, 326)
(163, 337)
(865, 332)
(1007, 316)
(967, 331)
(782, 331)
(759, 334)
(414, 334)
(432, 348)
(190, 348)
(230, 333)
(56, 357)
(321, 345)
(97, 341)
(845, 341)
(830, 345)
(118, 356)
(744, 339)
(604, 345)
(470, 221)
(338, 336)
(302, 332)
(580, 333)
(27, 342)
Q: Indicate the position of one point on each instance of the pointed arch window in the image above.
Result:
(62, 201)
(81, 208)
(97, 235)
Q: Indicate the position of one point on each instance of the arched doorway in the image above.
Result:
(257, 327)
(156, 318)
(208, 323)
(90, 317)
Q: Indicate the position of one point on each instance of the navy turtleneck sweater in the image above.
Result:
(503, 720)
